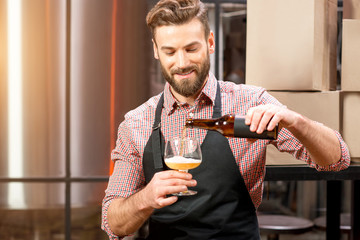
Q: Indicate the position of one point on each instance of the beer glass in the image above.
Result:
(183, 154)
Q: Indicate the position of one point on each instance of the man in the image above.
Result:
(230, 189)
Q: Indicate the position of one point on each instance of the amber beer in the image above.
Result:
(230, 126)
(182, 163)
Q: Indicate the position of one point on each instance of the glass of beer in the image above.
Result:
(183, 154)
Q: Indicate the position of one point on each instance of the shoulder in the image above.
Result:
(144, 110)
(136, 128)
(243, 91)
(230, 87)
(240, 97)
(141, 118)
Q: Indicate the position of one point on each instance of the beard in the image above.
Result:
(188, 87)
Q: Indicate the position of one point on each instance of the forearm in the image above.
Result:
(319, 140)
(127, 215)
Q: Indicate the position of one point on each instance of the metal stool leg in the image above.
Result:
(273, 237)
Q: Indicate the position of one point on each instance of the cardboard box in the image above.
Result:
(350, 70)
(351, 9)
(351, 120)
(291, 44)
(274, 157)
(323, 107)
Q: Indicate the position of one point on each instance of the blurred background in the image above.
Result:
(69, 71)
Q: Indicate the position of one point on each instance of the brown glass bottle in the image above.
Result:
(230, 126)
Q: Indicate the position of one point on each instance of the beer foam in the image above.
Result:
(179, 159)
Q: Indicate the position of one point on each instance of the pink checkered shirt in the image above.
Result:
(135, 130)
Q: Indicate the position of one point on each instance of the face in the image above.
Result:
(183, 52)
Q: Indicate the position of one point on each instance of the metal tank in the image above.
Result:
(82, 65)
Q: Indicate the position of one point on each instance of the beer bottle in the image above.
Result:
(230, 126)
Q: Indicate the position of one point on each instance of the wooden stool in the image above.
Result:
(274, 225)
(345, 223)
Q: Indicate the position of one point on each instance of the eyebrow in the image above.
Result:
(188, 45)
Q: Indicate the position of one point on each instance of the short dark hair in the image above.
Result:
(176, 12)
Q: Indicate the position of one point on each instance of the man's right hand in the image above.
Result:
(166, 183)
(126, 215)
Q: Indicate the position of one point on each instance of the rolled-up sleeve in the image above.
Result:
(287, 142)
(127, 177)
(104, 223)
(344, 161)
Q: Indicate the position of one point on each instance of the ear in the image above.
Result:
(156, 55)
(211, 42)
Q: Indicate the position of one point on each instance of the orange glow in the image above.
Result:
(48, 49)
(112, 84)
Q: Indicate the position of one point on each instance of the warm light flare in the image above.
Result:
(15, 130)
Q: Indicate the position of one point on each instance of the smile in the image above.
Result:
(185, 74)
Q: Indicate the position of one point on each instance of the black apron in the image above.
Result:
(222, 208)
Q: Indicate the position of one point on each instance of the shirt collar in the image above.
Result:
(208, 93)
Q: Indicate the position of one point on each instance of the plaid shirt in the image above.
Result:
(135, 130)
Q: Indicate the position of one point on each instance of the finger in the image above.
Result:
(264, 122)
(248, 116)
(256, 118)
(191, 183)
(280, 117)
(180, 182)
(162, 191)
(176, 189)
(275, 121)
(167, 201)
(169, 191)
(174, 174)
(164, 187)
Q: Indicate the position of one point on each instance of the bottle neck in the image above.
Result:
(199, 123)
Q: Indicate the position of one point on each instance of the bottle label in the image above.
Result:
(241, 130)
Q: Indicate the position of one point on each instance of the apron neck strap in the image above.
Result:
(159, 107)
(156, 136)
(217, 105)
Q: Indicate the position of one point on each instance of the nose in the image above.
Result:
(182, 60)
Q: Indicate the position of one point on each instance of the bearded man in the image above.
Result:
(230, 183)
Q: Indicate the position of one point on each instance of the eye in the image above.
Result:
(169, 53)
(192, 50)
